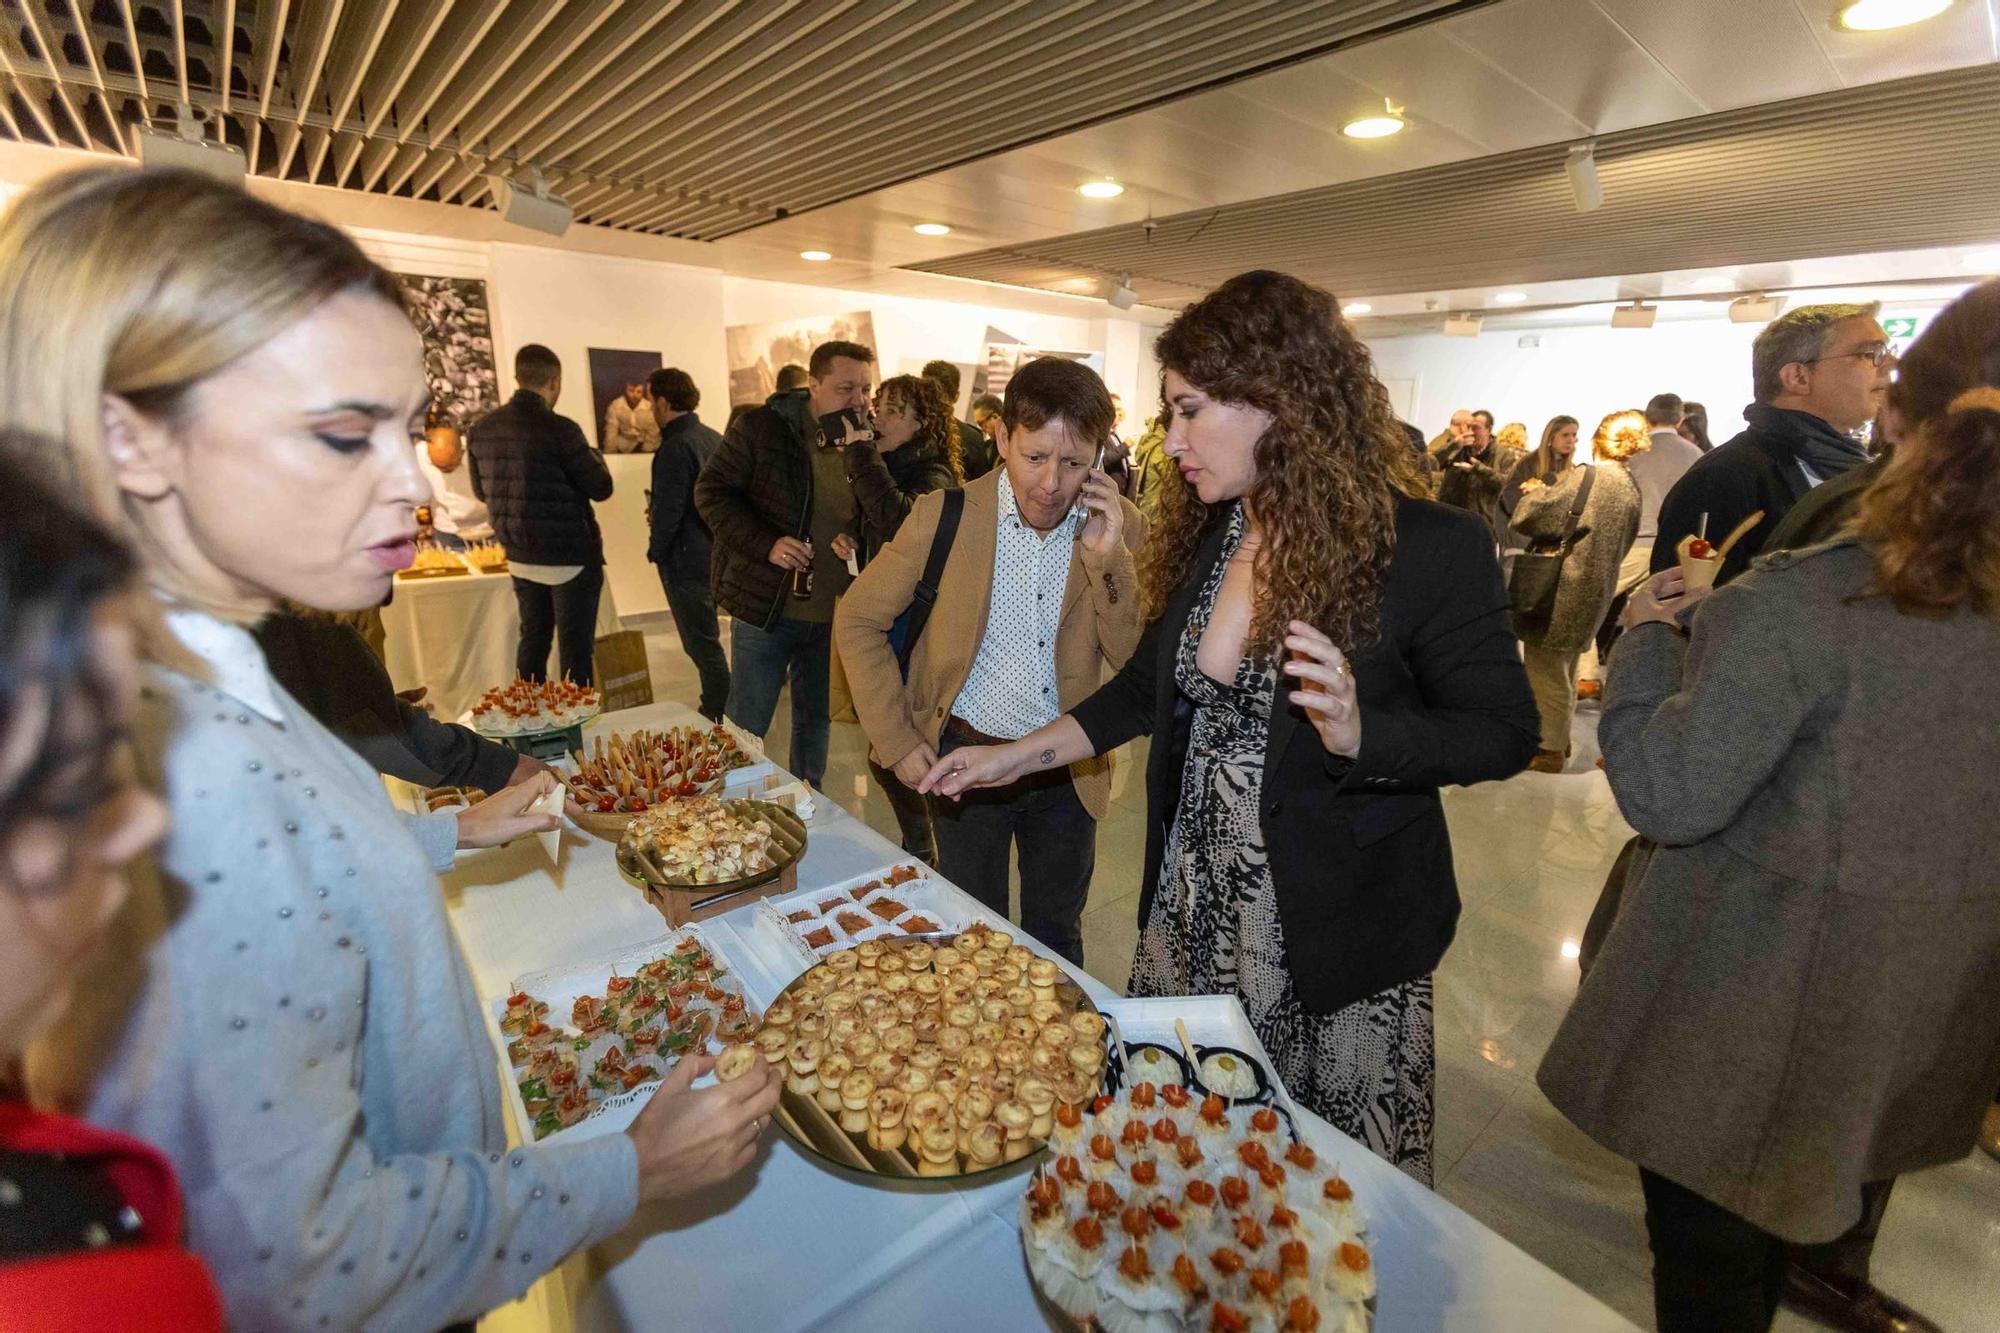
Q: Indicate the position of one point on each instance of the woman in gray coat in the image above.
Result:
(1801, 996)
(1608, 525)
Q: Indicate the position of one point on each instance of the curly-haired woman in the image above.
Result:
(1325, 652)
(915, 450)
(1801, 996)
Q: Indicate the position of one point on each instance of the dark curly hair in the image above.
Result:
(1330, 467)
(935, 424)
(1932, 520)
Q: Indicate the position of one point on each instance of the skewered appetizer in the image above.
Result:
(628, 1035)
(486, 557)
(907, 1049)
(527, 707)
(433, 559)
(704, 841)
(1160, 1212)
(635, 771)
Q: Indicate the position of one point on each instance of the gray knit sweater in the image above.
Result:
(306, 1045)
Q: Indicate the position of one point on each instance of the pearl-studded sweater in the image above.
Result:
(307, 1046)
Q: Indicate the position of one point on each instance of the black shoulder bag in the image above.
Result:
(909, 626)
(1531, 590)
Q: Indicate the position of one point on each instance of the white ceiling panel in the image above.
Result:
(1576, 57)
(1737, 55)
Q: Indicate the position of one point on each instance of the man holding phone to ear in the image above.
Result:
(1036, 604)
(777, 500)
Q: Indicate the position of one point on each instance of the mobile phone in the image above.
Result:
(835, 427)
(1097, 463)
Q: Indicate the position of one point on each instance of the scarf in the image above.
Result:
(1824, 450)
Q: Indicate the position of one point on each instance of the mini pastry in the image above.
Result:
(1019, 999)
(1011, 1054)
(842, 960)
(890, 963)
(861, 1046)
(1042, 978)
(868, 953)
(1020, 955)
(1040, 1099)
(977, 1060)
(803, 1063)
(986, 961)
(987, 1034)
(780, 1015)
(886, 1109)
(883, 1068)
(928, 1110)
(968, 943)
(995, 1011)
(937, 1149)
(774, 1042)
(917, 956)
(926, 1058)
(734, 1063)
(901, 1041)
(1016, 1120)
(1061, 1036)
(953, 1042)
(985, 1146)
(856, 1091)
(999, 941)
(1087, 1025)
(912, 1080)
(1047, 1011)
(834, 1067)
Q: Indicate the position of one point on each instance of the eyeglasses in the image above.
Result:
(1875, 354)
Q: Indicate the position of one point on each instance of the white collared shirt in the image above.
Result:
(1011, 689)
(454, 508)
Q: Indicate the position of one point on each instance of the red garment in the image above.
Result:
(151, 1286)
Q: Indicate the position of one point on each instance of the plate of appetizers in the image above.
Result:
(433, 562)
(629, 773)
(588, 1043)
(719, 847)
(1165, 1210)
(534, 708)
(893, 902)
(936, 1058)
(486, 557)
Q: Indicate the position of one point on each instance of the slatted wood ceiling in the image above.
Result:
(1914, 162)
(696, 118)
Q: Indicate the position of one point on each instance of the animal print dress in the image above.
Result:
(1368, 1068)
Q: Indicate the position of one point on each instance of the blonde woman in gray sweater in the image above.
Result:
(238, 388)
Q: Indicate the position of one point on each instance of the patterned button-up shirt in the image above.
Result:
(1011, 689)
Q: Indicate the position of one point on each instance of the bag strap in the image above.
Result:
(1576, 507)
(927, 587)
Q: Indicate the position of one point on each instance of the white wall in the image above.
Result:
(1585, 373)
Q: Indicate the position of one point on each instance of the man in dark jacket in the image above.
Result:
(679, 544)
(784, 519)
(1820, 373)
(538, 475)
(983, 455)
(975, 452)
(1473, 469)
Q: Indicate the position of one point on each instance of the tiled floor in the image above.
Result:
(1532, 854)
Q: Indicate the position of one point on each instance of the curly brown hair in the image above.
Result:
(1330, 467)
(1932, 520)
(935, 424)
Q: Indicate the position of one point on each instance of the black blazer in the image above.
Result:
(679, 540)
(1758, 470)
(1358, 848)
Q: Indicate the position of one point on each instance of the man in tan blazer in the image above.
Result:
(1037, 603)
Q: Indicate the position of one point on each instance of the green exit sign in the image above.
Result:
(1902, 326)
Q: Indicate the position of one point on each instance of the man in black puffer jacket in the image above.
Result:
(784, 519)
(538, 476)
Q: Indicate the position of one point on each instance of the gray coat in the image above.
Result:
(1590, 575)
(1802, 991)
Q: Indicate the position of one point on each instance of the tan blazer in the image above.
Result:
(1100, 627)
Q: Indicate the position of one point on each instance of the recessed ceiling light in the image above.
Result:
(1356, 308)
(817, 256)
(1509, 298)
(931, 229)
(1881, 15)
(1981, 261)
(1379, 126)
(1711, 282)
(1104, 189)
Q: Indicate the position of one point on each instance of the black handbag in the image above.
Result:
(909, 626)
(1537, 576)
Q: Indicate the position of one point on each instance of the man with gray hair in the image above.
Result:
(1820, 374)
(1655, 472)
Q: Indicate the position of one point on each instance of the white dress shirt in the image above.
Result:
(454, 508)
(1011, 689)
(629, 429)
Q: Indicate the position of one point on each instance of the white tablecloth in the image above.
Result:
(458, 635)
(794, 1244)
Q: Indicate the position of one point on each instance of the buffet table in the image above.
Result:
(796, 1244)
(457, 635)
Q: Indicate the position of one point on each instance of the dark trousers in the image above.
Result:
(693, 605)
(1716, 1272)
(1057, 842)
(565, 614)
(762, 662)
(913, 813)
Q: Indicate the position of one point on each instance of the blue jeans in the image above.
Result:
(760, 662)
(693, 605)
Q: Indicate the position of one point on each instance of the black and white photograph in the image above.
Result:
(454, 318)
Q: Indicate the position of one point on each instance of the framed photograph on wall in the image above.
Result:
(613, 373)
(758, 351)
(456, 323)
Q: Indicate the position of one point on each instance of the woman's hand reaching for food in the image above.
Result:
(688, 1139)
(1664, 598)
(505, 815)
